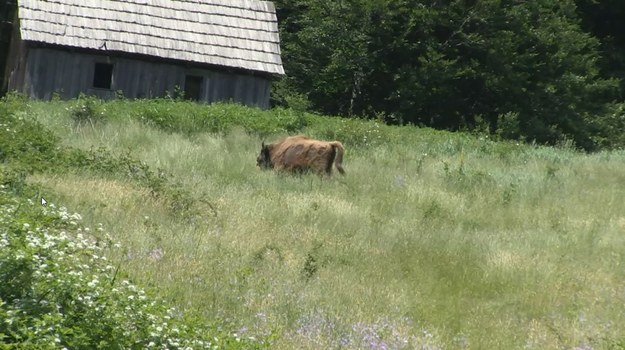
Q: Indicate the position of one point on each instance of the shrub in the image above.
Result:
(22, 140)
(192, 118)
(87, 110)
(60, 291)
(352, 132)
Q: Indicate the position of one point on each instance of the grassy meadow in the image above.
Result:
(432, 240)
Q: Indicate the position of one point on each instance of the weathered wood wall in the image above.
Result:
(13, 69)
(50, 70)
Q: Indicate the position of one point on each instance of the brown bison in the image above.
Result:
(301, 154)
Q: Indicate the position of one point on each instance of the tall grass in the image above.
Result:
(432, 240)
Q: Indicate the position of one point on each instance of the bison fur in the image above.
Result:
(302, 154)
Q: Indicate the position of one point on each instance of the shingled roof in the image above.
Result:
(232, 33)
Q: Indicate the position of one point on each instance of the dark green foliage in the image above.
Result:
(604, 19)
(521, 69)
(313, 262)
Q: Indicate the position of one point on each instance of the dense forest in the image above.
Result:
(548, 71)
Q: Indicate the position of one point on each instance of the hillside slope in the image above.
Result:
(432, 240)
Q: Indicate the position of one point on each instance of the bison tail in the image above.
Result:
(338, 159)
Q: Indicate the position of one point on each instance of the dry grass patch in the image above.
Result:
(96, 190)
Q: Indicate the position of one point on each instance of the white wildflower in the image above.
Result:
(93, 283)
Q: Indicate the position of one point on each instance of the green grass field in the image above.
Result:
(432, 240)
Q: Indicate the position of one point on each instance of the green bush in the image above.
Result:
(351, 132)
(87, 110)
(59, 290)
(191, 118)
(23, 140)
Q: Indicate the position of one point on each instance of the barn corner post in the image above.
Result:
(211, 51)
(8, 16)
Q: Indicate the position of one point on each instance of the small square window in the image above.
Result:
(192, 87)
(103, 76)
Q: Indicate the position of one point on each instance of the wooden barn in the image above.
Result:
(213, 50)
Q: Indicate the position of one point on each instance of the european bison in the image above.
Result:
(301, 154)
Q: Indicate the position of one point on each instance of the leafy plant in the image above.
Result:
(60, 290)
(88, 110)
(24, 140)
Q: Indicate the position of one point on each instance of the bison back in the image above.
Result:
(303, 154)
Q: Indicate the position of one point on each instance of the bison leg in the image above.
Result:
(330, 161)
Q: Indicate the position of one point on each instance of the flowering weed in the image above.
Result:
(60, 291)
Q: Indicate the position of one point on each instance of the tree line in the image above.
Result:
(545, 71)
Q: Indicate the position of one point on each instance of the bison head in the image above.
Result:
(264, 158)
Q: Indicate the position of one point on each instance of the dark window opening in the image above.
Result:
(103, 76)
(192, 87)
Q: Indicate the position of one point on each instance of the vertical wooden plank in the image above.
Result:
(131, 74)
(75, 67)
(178, 76)
(213, 87)
(38, 74)
(47, 80)
(251, 84)
(229, 83)
(60, 63)
(156, 80)
(149, 80)
(89, 67)
(29, 73)
(16, 66)
(48, 70)
(206, 91)
(126, 77)
(140, 81)
(118, 75)
(169, 80)
(163, 78)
